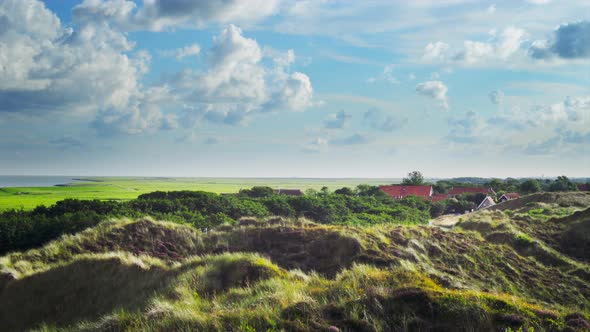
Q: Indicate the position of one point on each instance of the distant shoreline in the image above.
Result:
(25, 181)
(87, 180)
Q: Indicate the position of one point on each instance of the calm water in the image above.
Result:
(33, 180)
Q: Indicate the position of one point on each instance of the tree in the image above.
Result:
(442, 187)
(511, 185)
(438, 209)
(367, 190)
(414, 178)
(530, 186)
(562, 183)
(496, 184)
(511, 182)
(344, 191)
(459, 206)
(475, 198)
(311, 192)
(258, 192)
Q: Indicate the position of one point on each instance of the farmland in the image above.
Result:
(127, 188)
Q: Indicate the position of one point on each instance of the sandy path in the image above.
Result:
(449, 220)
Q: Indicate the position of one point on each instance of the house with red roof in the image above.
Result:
(470, 190)
(439, 197)
(508, 196)
(401, 191)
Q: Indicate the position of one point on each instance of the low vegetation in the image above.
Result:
(363, 205)
(21, 230)
(497, 270)
(128, 188)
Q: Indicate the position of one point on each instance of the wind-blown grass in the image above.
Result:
(490, 273)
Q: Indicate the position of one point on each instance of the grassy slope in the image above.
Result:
(130, 188)
(565, 202)
(492, 272)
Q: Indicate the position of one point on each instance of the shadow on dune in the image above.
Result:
(86, 289)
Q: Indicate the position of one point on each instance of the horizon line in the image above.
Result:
(289, 177)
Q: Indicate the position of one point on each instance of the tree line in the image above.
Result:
(509, 185)
(362, 205)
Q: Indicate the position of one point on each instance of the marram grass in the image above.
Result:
(493, 273)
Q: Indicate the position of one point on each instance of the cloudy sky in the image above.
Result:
(308, 88)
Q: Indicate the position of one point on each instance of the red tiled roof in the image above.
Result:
(439, 197)
(470, 190)
(512, 195)
(402, 191)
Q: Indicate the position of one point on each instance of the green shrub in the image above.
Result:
(21, 230)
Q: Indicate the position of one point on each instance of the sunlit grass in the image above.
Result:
(129, 188)
(488, 274)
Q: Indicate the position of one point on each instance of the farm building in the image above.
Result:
(401, 191)
(289, 192)
(508, 196)
(487, 202)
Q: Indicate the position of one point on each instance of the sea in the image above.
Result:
(33, 180)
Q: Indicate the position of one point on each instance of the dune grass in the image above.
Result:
(362, 298)
(493, 272)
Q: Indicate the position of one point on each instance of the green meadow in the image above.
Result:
(126, 188)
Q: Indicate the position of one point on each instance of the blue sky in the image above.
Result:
(282, 88)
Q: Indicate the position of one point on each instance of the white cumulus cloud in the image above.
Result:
(183, 52)
(436, 51)
(157, 15)
(569, 41)
(238, 84)
(46, 67)
(500, 48)
(436, 90)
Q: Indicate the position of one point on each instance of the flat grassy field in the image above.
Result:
(126, 188)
